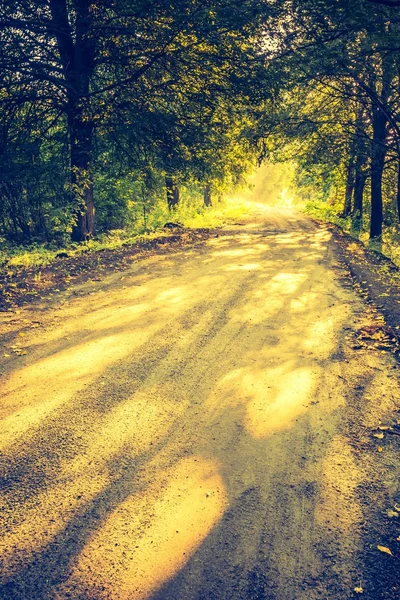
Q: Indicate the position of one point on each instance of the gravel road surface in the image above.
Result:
(202, 426)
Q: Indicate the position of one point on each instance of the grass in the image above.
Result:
(14, 258)
(388, 244)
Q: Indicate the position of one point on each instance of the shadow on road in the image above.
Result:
(183, 444)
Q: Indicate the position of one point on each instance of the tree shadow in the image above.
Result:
(215, 401)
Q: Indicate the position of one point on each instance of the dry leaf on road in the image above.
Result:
(385, 550)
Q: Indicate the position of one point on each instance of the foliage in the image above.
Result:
(117, 90)
(105, 105)
(191, 213)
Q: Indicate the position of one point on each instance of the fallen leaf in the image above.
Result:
(358, 590)
(380, 449)
(380, 436)
(385, 550)
(378, 335)
(384, 427)
(392, 513)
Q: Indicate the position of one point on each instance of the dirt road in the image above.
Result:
(202, 427)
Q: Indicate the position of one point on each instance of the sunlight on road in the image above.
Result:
(35, 392)
(137, 434)
(287, 400)
(151, 535)
(341, 478)
(46, 518)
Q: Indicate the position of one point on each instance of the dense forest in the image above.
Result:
(109, 108)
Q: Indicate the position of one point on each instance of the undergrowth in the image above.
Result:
(14, 257)
(388, 244)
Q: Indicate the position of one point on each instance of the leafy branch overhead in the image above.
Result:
(96, 97)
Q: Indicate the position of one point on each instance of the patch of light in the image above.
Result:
(152, 534)
(275, 408)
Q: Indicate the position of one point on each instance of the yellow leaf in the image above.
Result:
(378, 335)
(380, 436)
(380, 449)
(385, 550)
(358, 590)
(6, 355)
(21, 335)
(392, 513)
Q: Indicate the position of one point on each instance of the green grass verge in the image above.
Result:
(14, 257)
(388, 244)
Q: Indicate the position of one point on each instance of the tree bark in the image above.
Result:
(359, 186)
(207, 195)
(398, 192)
(77, 52)
(172, 192)
(81, 133)
(359, 181)
(378, 153)
(349, 185)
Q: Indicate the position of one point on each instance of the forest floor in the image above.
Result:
(215, 417)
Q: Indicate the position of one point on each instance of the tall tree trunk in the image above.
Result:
(378, 153)
(77, 48)
(398, 192)
(81, 134)
(359, 186)
(360, 160)
(349, 185)
(172, 192)
(359, 182)
(207, 195)
(379, 149)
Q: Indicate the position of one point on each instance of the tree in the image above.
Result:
(86, 61)
(347, 53)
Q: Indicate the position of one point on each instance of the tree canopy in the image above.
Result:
(168, 92)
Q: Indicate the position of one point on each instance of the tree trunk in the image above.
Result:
(81, 133)
(349, 186)
(398, 192)
(359, 182)
(378, 153)
(207, 195)
(77, 48)
(172, 192)
(359, 186)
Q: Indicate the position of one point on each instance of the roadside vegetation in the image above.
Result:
(117, 117)
(190, 214)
